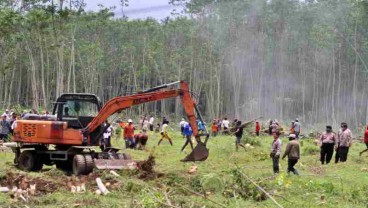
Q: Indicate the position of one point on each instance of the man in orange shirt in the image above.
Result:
(129, 135)
(214, 128)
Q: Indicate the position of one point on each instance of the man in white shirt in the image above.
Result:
(225, 126)
(107, 137)
(151, 120)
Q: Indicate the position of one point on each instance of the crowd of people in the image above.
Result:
(329, 142)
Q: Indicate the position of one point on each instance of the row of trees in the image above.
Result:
(281, 59)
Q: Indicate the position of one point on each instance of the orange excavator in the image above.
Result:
(69, 137)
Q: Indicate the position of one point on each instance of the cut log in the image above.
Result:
(101, 186)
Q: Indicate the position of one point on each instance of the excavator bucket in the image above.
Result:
(199, 153)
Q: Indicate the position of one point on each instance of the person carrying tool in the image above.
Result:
(188, 132)
(238, 134)
(293, 152)
(365, 141)
(258, 128)
(327, 142)
(275, 151)
(344, 141)
(164, 134)
(129, 135)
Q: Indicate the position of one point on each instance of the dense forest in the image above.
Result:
(282, 59)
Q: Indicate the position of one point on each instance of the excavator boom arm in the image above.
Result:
(119, 103)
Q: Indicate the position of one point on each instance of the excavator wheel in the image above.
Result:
(89, 164)
(79, 165)
(28, 161)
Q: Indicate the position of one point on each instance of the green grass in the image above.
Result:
(334, 185)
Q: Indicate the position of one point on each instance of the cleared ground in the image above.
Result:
(218, 182)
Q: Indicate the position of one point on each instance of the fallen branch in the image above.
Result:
(198, 194)
(4, 189)
(167, 198)
(159, 201)
(114, 173)
(261, 189)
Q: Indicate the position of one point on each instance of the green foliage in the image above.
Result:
(310, 150)
(212, 183)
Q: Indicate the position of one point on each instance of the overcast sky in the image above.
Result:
(158, 9)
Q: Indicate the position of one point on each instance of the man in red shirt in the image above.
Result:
(129, 135)
(258, 128)
(365, 141)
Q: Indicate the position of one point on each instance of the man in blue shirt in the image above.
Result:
(188, 135)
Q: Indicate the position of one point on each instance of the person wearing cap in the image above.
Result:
(181, 125)
(365, 139)
(275, 151)
(293, 152)
(258, 128)
(344, 141)
(129, 135)
(4, 127)
(327, 142)
(164, 134)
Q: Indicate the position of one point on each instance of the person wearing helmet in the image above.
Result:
(129, 135)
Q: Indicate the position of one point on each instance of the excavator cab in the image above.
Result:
(78, 110)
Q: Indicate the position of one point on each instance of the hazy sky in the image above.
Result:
(158, 9)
